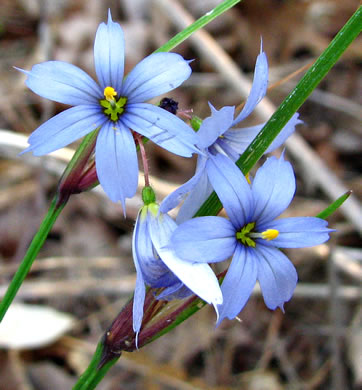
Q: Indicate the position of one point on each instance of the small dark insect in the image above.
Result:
(169, 105)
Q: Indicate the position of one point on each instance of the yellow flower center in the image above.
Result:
(112, 107)
(246, 235)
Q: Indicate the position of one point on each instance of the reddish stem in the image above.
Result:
(185, 113)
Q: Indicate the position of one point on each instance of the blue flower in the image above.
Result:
(114, 106)
(158, 266)
(252, 235)
(217, 135)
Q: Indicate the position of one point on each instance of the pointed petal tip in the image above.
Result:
(217, 312)
(32, 148)
(109, 16)
(28, 149)
(136, 339)
(115, 198)
(21, 70)
(123, 201)
(219, 320)
(212, 108)
(136, 329)
(262, 56)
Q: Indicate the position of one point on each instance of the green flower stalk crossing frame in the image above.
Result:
(102, 361)
(295, 99)
(60, 200)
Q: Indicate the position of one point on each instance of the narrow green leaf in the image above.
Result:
(334, 206)
(30, 256)
(200, 23)
(292, 103)
(95, 372)
(57, 205)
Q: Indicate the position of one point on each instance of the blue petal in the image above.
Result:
(169, 293)
(195, 198)
(240, 139)
(173, 199)
(258, 89)
(63, 83)
(138, 302)
(215, 125)
(162, 127)
(154, 271)
(142, 246)
(109, 54)
(273, 189)
(276, 275)
(224, 147)
(197, 277)
(156, 74)
(116, 162)
(65, 128)
(285, 133)
(140, 290)
(299, 232)
(232, 189)
(179, 291)
(238, 283)
(204, 240)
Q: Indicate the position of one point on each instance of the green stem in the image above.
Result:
(30, 255)
(66, 187)
(94, 373)
(199, 23)
(291, 104)
(194, 304)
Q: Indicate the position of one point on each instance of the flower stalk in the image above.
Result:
(114, 340)
(76, 178)
(33, 250)
(197, 25)
(160, 317)
(292, 103)
(80, 175)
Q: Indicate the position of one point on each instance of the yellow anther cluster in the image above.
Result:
(270, 234)
(109, 93)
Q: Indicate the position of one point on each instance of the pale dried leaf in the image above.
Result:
(32, 326)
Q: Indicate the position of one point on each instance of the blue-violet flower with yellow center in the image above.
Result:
(217, 135)
(252, 236)
(114, 106)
